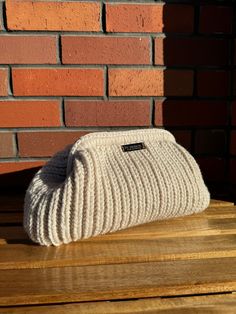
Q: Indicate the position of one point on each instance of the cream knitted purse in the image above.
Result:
(109, 181)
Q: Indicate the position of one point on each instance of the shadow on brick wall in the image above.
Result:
(198, 90)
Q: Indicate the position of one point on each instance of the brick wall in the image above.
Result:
(72, 67)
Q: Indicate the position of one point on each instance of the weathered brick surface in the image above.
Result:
(7, 148)
(105, 50)
(213, 83)
(57, 82)
(28, 49)
(195, 51)
(107, 113)
(38, 113)
(41, 144)
(191, 113)
(209, 165)
(139, 17)
(212, 142)
(216, 19)
(149, 82)
(1, 17)
(183, 137)
(3, 82)
(53, 15)
(15, 176)
(9, 167)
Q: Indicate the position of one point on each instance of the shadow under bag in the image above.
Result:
(109, 181)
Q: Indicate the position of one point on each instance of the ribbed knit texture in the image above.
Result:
(93, 187)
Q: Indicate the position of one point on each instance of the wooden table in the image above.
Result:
(182, 265)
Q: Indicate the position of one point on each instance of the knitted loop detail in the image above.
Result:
(94, 186)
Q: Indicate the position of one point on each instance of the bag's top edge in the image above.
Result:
(106, 138)
(96, 139)
(119, 137)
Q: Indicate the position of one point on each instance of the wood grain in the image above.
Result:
(178, 227)
(220, 203)
(20, 256)
(214, 304)
(120, 281)
(218, 212)
(187, 255)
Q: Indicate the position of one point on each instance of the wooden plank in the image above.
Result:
(219, 203)
(175, 228)
(217, 212)
(119, 281)
(20, 256)
(179, 227)
(214, 304)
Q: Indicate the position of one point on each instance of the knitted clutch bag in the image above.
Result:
(109, 181)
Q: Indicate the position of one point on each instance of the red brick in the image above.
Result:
(107, 113)
(213, 169)
(3, 82)
(57, 82)
(28, 49)
(45, 144)
(191, 51)
(215, 19)
(178, 18)
(53, 15)
(9, 167)
(149, 82)
(149, 18)
(27, 113)
(210, 142)
(191, 113)
(183, 137)
(1, 17)
(233, 115)
(105, 50)
(233, 142)
(6, 145)
(214, 83)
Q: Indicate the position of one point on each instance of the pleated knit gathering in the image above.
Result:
(94, 187)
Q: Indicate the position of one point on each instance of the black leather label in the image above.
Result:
(131, 147)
